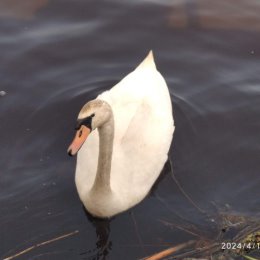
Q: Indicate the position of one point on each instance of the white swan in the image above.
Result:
(118, 164)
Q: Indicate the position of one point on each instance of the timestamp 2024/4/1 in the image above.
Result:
(235, 246)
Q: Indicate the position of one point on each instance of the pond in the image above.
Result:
(57, 55)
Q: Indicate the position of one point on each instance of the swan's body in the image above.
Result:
(118, 164)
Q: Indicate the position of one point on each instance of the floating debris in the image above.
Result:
(169, 251)
(238, 236)
(2, 93)
(41, 244)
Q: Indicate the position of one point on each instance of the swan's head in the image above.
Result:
(93, 114)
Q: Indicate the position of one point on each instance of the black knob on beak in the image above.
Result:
(70, 152)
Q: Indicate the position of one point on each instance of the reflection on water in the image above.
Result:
(243, 15)
(103, 243)
(21, 9)
(217, 15)
(73, 50)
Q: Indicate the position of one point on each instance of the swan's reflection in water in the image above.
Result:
(103, 244)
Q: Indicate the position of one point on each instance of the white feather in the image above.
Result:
(143, 130)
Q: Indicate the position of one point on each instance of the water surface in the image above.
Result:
(56, 55)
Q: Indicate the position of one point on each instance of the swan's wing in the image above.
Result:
(143, 128)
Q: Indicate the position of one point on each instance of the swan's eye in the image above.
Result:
(80, 133)
(84, 121)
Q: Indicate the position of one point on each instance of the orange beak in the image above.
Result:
(79, 139)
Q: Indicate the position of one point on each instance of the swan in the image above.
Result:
(131, 128)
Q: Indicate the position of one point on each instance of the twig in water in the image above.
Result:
(41, 244)
(213, 247)
(183, 192)
(179, 227)
(170, 209)
(249, 257)
(137, 231)
(169, 251)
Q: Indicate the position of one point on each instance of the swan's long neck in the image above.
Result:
(106, 138)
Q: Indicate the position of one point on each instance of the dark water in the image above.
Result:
(56, 55)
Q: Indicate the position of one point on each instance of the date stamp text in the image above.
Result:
(240, 246)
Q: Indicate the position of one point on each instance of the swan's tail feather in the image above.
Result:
(148, 62)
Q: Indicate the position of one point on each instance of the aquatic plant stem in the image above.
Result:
(169, 251)
(41, 244)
